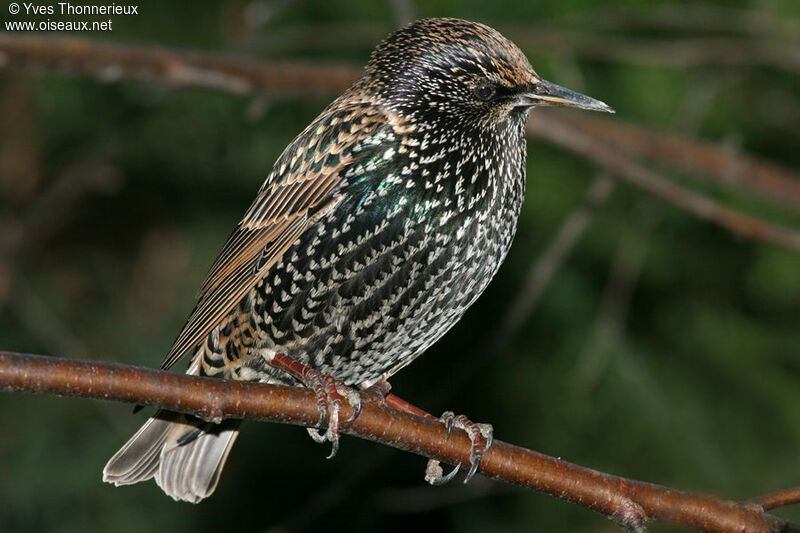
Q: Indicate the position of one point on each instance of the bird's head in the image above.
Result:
(451, 70)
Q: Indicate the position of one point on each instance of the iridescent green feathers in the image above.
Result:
(347, 140)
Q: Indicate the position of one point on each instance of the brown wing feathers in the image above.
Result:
(231, 283)
(280, 214)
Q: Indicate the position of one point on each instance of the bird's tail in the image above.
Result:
(185, 455)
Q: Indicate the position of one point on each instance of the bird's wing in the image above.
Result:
(301, 188)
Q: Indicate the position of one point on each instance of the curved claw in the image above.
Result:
(449, 421)
(356, 411)
(485, 431)
(442, 480)
(334, 448)
(357, 398)
(476, 463)
(475, 432)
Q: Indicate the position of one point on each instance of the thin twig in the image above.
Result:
(777, 184)
(609, 327)
(666, 53)
(627, 263)
(544, 268)
(30, 230)
(90, 173)
(628, 502)
(779, 498)
(111, 63)
(613, 160)
(40, 321)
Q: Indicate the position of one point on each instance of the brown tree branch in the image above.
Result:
(629, 503)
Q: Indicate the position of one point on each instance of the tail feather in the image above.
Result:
(190, 471)
(185, 455)
(137, 460)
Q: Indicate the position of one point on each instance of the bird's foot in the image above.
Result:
(329, 404)
(481, 435)
(374, 393)
(329, 393)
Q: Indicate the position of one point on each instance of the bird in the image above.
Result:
(376, 229)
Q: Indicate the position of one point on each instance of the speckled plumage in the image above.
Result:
(379, 225)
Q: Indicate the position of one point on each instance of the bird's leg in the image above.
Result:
(400, 404)
(476, 432)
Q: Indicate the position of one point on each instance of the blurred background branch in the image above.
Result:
(595, 138)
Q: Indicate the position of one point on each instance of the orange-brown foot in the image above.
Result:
(481, 436)
(329, 393)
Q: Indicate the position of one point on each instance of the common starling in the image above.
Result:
(378, 226)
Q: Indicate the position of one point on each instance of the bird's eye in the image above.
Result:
(484, 91)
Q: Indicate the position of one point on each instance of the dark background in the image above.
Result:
(664, 349)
